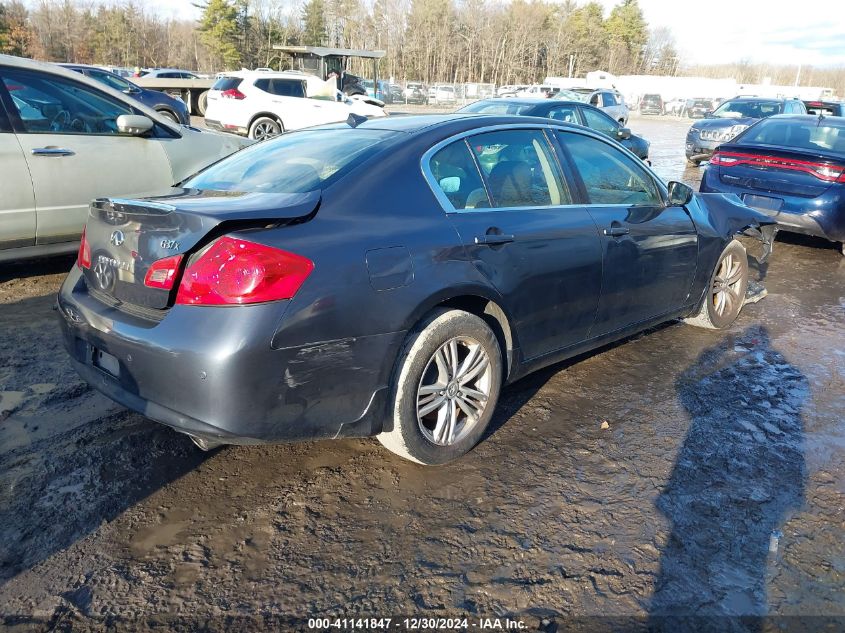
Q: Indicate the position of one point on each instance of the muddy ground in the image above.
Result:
(717, 446)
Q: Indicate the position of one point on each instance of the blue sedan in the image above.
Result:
(792, 168)
(170, 107)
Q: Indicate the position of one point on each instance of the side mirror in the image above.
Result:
(708, 114)
(623, 133)
(679, 194)
(134, 124)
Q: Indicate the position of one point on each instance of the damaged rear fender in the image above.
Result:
(724, 216)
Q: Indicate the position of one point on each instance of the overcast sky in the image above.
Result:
(718, 31)
(775, 31)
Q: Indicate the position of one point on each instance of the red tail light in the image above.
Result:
(235, 271)
(822, 171)
(162, 273)
(233, 93)
(83, 257)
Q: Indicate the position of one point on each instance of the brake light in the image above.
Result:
(822, 171)
(162, 274)
(83, 257)
(235, 271)
(233, 93)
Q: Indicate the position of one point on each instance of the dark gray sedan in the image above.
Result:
(386, 278)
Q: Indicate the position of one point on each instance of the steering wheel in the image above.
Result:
(78, 124)
(60, 121)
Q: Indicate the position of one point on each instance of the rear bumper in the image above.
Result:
(823, 216)
(220, 127)
(212, 372)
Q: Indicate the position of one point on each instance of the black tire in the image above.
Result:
(414, 437)
(710, 315)
(265, 127)
(202, 103)
(169, 114)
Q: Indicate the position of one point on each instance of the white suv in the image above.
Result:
(261, 104)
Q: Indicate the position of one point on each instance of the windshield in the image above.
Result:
(496, 107)
(811, 135)
(295, 162)
(746, 109)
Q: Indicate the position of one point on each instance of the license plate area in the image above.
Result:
(763, 203)
(105, 362)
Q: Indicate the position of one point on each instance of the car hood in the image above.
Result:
(718, 124)
(197, 149)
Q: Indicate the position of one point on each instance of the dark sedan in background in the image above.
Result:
(174, 109)
(731, 118)
(825, 108)
(257, 303)
(792, 168)
(567, 111)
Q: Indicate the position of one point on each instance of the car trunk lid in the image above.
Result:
(126, 237)
(779, 170)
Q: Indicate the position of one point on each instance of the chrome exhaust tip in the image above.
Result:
(204, 444)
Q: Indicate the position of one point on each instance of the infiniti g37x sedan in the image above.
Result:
(388, 278)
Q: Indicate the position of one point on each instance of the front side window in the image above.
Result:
(296, 162)
(519, 168)
(600, 122)
(48, 104)
(609, 99)
(456, 175)
(609, 175)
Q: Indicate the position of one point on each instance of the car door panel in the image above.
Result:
(68, 134)
(649, 250)
(540, 252)
(17, 204)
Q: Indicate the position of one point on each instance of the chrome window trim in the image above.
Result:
(444, 201)
(449, 208)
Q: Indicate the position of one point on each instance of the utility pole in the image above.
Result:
(798, 75)
(571, 64)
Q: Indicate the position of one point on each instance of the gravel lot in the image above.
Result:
(718, 448)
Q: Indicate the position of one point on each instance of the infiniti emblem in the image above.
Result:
(104, 275)
(117, 238)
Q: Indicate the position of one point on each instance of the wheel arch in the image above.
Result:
(270, 115)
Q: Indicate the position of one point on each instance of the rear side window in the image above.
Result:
(609, 175)
(564, 113)
(519, 168)
(227, 83)
(282, 87)
(456, 175)
(296, 162)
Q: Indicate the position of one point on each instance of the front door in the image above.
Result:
(17, 204)
(68, 133)
(516, 219)
(650, 250)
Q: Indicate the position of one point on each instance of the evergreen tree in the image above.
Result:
(314, 32)
(219, 31)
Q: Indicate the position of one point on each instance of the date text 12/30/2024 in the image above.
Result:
(416, 624)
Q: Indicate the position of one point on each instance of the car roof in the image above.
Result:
(453, 122)
(67, 73)
(809, 118)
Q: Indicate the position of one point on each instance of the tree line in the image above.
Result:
(500, 42)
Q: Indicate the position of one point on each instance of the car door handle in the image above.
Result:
(492, 239)
(616, 231)
(52, 151)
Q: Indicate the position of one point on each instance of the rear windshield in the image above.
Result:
(827, 109)
(748, 109)
(295, 162)
(227, 83)
(496, 107)
(811, 135)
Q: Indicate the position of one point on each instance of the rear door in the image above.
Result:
(505, 195)
(68, 133)
(17, 204)
(650, 250)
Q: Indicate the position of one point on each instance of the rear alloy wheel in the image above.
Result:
(726, 291)
(450, 374)
(264, 127)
